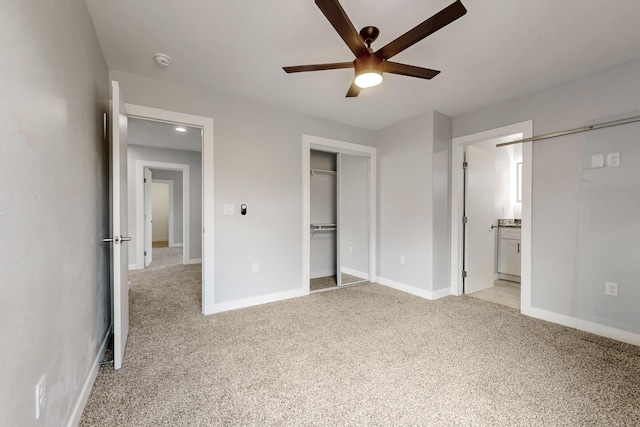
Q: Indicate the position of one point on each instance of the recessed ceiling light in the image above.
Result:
(181, 129)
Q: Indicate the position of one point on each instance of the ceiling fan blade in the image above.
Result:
(318, 67)
(408, 70)
(430, 26)
(354, 90)
(342, 24)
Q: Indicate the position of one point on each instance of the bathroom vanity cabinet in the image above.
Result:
(509, 251)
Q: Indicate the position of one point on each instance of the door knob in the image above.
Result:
(117, 239)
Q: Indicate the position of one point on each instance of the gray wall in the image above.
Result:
(441, 201)
(258, 161)
(414, 187)
(54, 309)
(176, 177)
(580, 214)
(191, 158)
(405, 204)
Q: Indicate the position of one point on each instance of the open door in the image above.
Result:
(479, 262)
(119, 253)
(148, 217)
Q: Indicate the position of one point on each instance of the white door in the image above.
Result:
(480, 213)
(148, 217)
(120, 255)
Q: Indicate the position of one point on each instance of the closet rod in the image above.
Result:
(572, 131)
(324, 227)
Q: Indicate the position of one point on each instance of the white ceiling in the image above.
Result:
(163, 135)
(500, 49)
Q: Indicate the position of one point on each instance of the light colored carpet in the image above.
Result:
(162, 257)
(322, 283)
(363, 355)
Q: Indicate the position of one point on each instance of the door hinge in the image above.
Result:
(145, 180)
(465, 219)
(145, 253)
(465, 165)
(464, 274)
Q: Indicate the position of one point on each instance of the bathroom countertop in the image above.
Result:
(510, 223)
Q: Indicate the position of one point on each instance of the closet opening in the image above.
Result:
(339, 214)
(324, 222)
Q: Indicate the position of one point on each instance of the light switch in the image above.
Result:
(613, 159)
(228, 209)
(597, 161)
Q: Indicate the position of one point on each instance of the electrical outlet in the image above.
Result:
(613, 159)
(40, 396)
(255, 267)
(403, 260)
(611, 289)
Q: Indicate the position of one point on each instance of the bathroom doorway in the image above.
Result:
(491, 205)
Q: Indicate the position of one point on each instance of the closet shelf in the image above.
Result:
(323, 227)
(322, 172)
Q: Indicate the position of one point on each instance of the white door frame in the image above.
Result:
(501, 134)
(147, 239)
(206, 124)
(333, 146)
(186, 206)
(170, 183)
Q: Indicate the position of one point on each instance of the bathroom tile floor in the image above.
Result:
(503, 292)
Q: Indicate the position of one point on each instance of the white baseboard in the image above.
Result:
(133, 267)
(78, 408)
(262, 299)
(355, 273)
(583, 325)
(322, 273)
(509, 277)
(195, 261)
(441, 293)
(175, 245)
(423, 293)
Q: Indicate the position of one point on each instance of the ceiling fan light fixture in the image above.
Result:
(369, 64)
(368, 78)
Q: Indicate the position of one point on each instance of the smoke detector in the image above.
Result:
(162, 59)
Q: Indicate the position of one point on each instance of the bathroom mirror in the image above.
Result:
(353, 219)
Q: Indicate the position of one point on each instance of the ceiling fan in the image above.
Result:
(370, 65)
